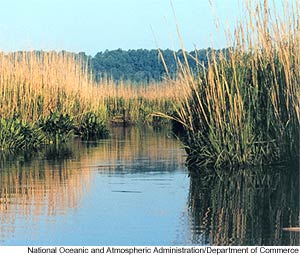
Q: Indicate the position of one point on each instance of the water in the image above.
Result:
(134, 189)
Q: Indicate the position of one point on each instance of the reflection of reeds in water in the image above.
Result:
(129, 145)
(246, 208)
(39, 189)
(48, 186)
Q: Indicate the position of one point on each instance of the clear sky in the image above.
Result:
(96, 25)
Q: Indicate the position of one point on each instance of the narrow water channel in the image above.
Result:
(134, 189)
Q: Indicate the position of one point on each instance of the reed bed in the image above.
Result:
(138, 102)
(54, 92)
(34, 84)
(244, 107)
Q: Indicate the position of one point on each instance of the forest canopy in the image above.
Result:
(142, 65)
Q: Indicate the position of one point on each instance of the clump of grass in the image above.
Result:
(17, 134)
(57, 127)
(244, 108)
(91, 127)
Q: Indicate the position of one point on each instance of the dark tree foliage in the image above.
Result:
(142, 65)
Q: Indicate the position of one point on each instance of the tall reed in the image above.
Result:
(138, 101)
(244, 108)
(34, 84)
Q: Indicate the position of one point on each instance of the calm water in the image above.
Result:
(133, 189)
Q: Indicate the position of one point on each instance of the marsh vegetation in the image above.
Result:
(48, 97)
(244, 107)
(236, 107)
(236, 112)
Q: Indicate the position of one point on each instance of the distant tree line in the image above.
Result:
(142, 65)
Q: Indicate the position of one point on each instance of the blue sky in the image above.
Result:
(97, 25)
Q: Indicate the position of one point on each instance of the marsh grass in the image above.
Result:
(244, 108)
(17, 134)
(91, 127)
(57, 127)
(55, 92)
(137, 102)
(48, 91)
(34, 84)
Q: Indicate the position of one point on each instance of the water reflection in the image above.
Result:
(38, 188)
(132, 146)
(132, 189)
(249, 207)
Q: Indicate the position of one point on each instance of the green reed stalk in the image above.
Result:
(243, 109)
